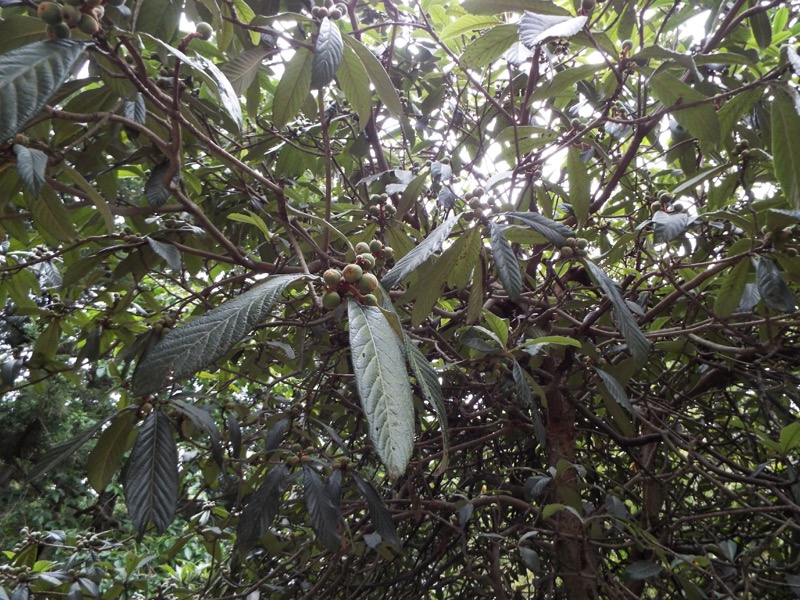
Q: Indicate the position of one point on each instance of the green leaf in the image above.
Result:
(324, 515)
(242, 69)
(327, 54)
(773, 289)
(160, 18)
(29, 76)
(642, 569)
(506, 262)
(260, 511)
(785, 124)
(105, 457)
(19, 30)
(98, 200)
(168, 252)
(428, 382)
(790, 437)
(293, 87)
(58, 454)
(731, 288)
(493, 7)
(215, 79)
(191, 347)
(555, 232)
(735, 108)
(537, 28)
(151, 475)
(638, 346)
(31, 166)
(700, 121)
(378, 76)
(202, 420)
(616, 389)
(383, 386)
(580, 193)
(565, 81)
(406, 265)
(489, 46)
(381, 519)
(762, 29)
(528, 400)
(156, 190)
(51, 217)
(465, 25)
(668, 226)
(354, 81)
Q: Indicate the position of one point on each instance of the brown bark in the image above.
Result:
(575, 559)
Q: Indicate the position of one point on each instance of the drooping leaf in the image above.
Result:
(378, 76)
(383, 386)
(790, 437)
(616, 389)
(31, 165)
(242, 69)
(528, 400)
(638, 346)
(156, 190)
(29, 76)
(202, 420)
(700, 121)
(97, 199)
(773, 289)
(506, 262)
(324, 515)
(106, 456)
(333, 487)
(292, 88)
(554, 231)
(168, 252)
(274, 436)
(234, 434)
(489, 46)
(428, 382)
(191, 347)
(58, 454)
(327, 54)
(135, 110)
(354, 80)
(761, 27)
(467, 24)
(260, 511)
(381, 519)
(731, 289)
(785, 124)
(735, 108)
(406, 265)
(160, 18)
(151, 475)
(537, 28)
(579, 186)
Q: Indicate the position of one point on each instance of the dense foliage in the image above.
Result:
(481, 299)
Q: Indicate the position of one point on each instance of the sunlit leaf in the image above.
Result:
(554, 231)
(406, 265)
(382, 382)
(293, 87)
(378, 76)
(785, 123)
(106, 456)
(537, 28)
(327, 54)
(506, 261)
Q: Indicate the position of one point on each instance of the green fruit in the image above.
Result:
(204, 30)
(567, 252)
(362, 247)
(331, 300)
(58, 32)
(374, 211)
(375, 246)
(371, 300)
(368, 283)
(328, 3)
(677, 207)
(88, 25)
(655, 206)
(323, 12)
(332, 277)
(388, 252)
(665, 196)
(469, 216)
(352, 273)
(479, 191)
(71, 15)
(627, 45)
(315, 12)
(50, 13)
(366, 260)
(375, 199)
(582, 243)
(336, 14)
(588, 5)
(474, 202)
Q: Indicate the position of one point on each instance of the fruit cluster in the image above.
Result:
(355, 279)
(480, 204)
(663, 201)
(575, 247)
(329, 10)
(61, 18)
(380, 207)
(784, 240)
